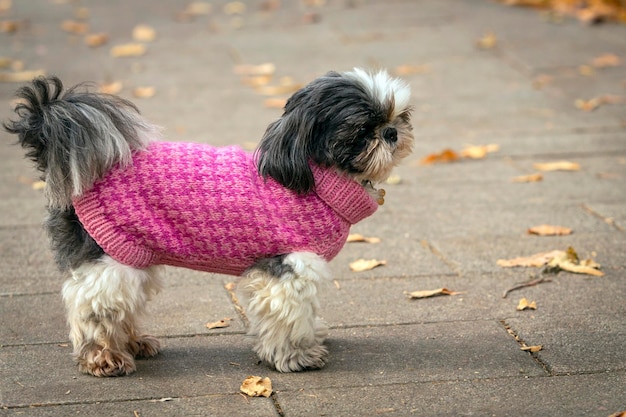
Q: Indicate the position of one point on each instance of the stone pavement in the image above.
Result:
(443, 225)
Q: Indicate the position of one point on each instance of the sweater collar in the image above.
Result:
(344, 195)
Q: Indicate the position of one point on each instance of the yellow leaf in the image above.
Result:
(528, 178)
(487, 41)
(479, 151)
(538, 259)
(430, 293)
(606, 60)
(549, 230)
(96, 39)
(557, 166)
(20, 76)
(393, 180)
(532, 349)
(524, 304)
(72, 26)
(220, 324)
(411, 69)
(361, 265)
(38, 185)
(234, 7)
(262, 69)
(111, 88)
(129, 49)
(255, 386)
(144, 33)
(275, 103)
(355, 237)
(144, 92)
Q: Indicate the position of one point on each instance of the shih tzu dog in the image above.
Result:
(121, 202)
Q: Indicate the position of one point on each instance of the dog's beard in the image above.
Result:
(377, 160)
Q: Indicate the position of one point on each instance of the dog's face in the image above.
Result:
(356, 122)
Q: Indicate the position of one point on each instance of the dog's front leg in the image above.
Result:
(104, 300)
(282, 305)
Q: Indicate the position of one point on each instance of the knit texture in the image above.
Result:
(207, 208)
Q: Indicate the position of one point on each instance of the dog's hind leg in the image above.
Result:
(104, 299)
(282, 304)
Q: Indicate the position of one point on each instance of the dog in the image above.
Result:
(121, 203)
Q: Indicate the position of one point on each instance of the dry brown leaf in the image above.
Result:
(144, 92)
(430, 293)
(144, 33)
(234, 7)
(524, 304)
(9, 26)
(5, 62)
(256, 80)
(606, 60)
(355, 237)
(479, 151)
(570, 262)
(111, 88)
(197, 8)
(262, 69)
(38, 185)
(487, 41)
(255, 386)
(74, 27)
(96, 39)
(220, 324)
(528, 178)
(532, 349)
(361, 265)
(536, 260)
(549, 230)
(275, 102)
(594, 103)
(20, 76)
(445, 156)
(541, 81)
(128, 49)
(404, 70)
(619, 414)
(286, 85)
(81, 13)
(557, 166)
(586, 70)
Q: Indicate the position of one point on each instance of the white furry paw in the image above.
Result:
(314, 357)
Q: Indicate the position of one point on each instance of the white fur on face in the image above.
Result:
(384, 88)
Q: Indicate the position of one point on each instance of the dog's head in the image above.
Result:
(356, 122)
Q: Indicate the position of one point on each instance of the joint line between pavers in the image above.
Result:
(427, 245)
(608, 220)
(523, 344)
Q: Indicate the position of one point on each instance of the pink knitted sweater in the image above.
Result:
(207, 208)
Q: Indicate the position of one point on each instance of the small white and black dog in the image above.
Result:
(121, 202)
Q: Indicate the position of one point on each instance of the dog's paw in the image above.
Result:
(144, 346)
(302, 359)
(102, 362)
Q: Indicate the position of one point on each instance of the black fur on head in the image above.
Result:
(335, 121)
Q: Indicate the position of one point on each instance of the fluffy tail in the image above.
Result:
(76, 136)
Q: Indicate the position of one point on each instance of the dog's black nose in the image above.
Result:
(390, 134)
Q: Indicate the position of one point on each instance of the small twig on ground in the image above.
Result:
(530, 283)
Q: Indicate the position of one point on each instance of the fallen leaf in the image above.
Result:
(38, 185)
(5, 62)
(586, 70)
(355, 237)
(403, 70)
(144, 92)
(144, 33)
(256, 80)
(393, 180)
(487, 41)
(286, 86)
(9, 26)
(111, 88)
(96, 39)
(361, 265)
(524, 304)
(275, 103)
(557, 166)
(549, 230)
(255, 386)
(262, 69)
(74, 27)
(445, 156)
(234, 7)
(606, 60)
(430, 293)
(528, 178)
(197, 8)
(81, 13)
(594, 103)
(20, 76)
(479, 151)
(532, 349)
(619, 414)
(536, 260)
(220, 324)
(129, 49)
(541, 81)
